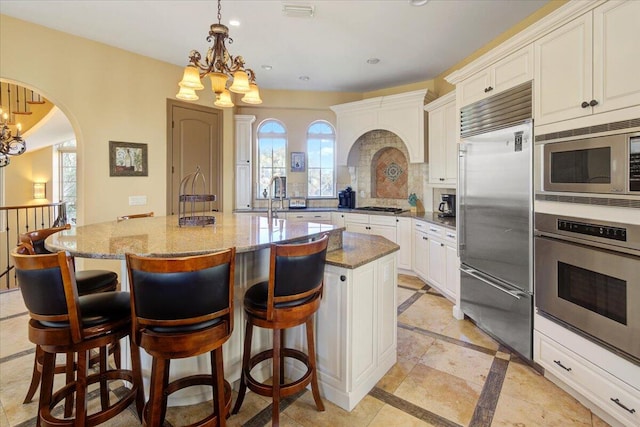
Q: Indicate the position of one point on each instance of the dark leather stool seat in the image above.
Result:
(289, 298)
(183, 307)
(87, 282)
(63, 322)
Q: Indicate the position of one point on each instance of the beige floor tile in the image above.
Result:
(404, 294)
(11, 303)
(14, 336)
(596, 421)
(443, 394)
(465, 330)
(429, 312)
(515, 412)
(465, 363)
(523, 383)
(412, 345)
(252, 404)
(304, 412)
(396, 375)
(410, 281)
(389, 416)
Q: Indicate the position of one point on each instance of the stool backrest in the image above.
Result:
(37, 237)
(48, 287)
(170, 292)
(296, 272)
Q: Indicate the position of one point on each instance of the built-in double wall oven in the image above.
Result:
(587, 277)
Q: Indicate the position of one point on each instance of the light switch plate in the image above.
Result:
(137, 200)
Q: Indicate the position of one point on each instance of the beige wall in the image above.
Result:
(107, 94)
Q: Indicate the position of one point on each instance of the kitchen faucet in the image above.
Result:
(270, 212)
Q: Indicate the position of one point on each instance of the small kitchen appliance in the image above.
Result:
(347, 198)
(447, 207)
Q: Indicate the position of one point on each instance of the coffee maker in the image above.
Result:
(447, 207)
(347, 198)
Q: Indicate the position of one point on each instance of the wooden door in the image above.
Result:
(195, 139)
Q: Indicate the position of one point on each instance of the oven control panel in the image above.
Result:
(607, 232)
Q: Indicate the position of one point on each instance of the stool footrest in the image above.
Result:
(286, 389)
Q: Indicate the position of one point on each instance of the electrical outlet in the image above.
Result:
(137, 200)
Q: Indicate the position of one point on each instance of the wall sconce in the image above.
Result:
(39, 190)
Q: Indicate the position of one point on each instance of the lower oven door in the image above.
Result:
(504, 311)
(594, 290)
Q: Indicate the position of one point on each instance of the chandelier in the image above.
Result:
(220, 66)
(12, 144)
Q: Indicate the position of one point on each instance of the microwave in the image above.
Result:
(605, 164)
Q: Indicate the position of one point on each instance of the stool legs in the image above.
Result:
(246, 357)
(312, 362)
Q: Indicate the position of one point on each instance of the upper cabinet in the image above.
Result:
(401, 114)
(506, 73)
(589, 65)
(243, 143)
(443, 140)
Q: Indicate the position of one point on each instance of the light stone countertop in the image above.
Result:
(161, 236)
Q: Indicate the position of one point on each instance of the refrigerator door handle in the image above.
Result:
(462, 149)
(474, 273)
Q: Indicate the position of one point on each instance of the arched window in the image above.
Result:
(321, 143)
(272, 154)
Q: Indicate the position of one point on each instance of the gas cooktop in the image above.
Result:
(380, 209)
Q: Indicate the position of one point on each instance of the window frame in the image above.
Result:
(333, 161)
(259, 185)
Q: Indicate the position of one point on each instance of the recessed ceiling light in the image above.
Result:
(266, 67)
(373, 61)
(418, 2)
(304, 78)
(234, 23)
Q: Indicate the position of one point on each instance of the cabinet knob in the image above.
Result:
(441, 244)
(424, 238)
(585, 104)
(343, 278)
(441, 179)
(247, 161)
(593, 103)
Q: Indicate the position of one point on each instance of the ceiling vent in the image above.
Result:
(295, 10)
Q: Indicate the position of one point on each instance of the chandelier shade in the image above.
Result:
(222, 68)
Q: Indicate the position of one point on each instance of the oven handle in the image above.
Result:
(476, 274)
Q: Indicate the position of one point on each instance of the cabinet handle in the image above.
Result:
(593, 103)
(441, 244)
(433, 229)
(584, 104)
(441, 179)
(557, 362)
(425, 238)
(617, 402)
(451, 235)
(489, 89)
(247, 161)
(343, 278)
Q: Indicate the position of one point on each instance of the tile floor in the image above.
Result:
(449, 373)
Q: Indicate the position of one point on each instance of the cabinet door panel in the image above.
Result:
(437, 263)
(453, 274)
(451, 143)
(243, 186)
(386, 307)
(364, 315)
(437, 142)
(563, 72)
(403, 238)
(353, 227)
(384, 231)
(421, 254)
(330, 327)
(473, 88)
(616, 53)
(515, 69)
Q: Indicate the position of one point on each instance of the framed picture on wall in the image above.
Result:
(127, 159)
(297, 162)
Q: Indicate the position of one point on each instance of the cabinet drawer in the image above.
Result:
(450, 237)
(309, 216)
(435, 231)
(614, 396)
(420, 226)
(382, 220)
(359, 218)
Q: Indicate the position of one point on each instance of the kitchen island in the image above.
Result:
(356, 322)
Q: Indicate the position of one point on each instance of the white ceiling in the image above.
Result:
(331, 48)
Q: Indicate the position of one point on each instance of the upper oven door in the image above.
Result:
(591, 165)
(592, 289)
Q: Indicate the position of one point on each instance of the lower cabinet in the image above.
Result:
(356, 331)
(319, 217)
(403, 238)
(436, 258)
(589, 371)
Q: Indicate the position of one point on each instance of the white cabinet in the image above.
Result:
(403, 238)
(319, 217)
(356, 327)
(380, 225)
(401, 114)
(589, 65)
(443, 140)
(337, 219)
(506, 73)
(452, 282)
(421, 250)
(604, 379)
(243, 144)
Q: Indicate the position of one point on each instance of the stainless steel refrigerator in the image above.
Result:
(495, 218)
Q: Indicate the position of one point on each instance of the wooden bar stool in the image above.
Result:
(290, 298)
(87, 282)
(183, 307)
(63, 322)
